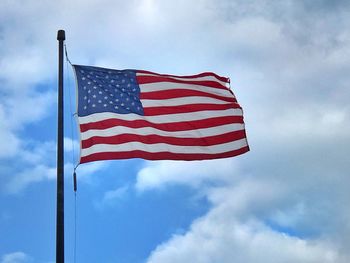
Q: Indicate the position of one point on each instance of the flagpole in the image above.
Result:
(60, 161)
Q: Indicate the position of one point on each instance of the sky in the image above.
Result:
(287, 200)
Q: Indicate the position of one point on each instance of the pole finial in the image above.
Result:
(61, 35)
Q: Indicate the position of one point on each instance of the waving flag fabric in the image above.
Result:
(140, 114)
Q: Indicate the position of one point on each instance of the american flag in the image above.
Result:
(140, 114)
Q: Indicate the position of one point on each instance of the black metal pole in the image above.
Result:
(61, 36)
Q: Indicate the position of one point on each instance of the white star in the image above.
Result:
(89, 91)
(110, 102)
(94, 96)
(95, 87)
(93, 105)
(100, 92)
(88, 101)
(85, 98)
(89, 82)
(116, 107)
(85, 107)
(83, 78)
(82, 71)
(105, 97)
(99, 101)
(104, 105)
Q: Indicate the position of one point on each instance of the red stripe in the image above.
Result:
(153, 111)
(179, 93)
(173, 126)
(160, 155)
(204, 74)
(152, 79)
(152, 139)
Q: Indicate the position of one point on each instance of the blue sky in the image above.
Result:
(287, 200)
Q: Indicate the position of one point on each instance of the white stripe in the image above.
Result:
(181, 101)
(204, 78)
(160, 86)
(191, 116)
(199, 133)
(163, 147)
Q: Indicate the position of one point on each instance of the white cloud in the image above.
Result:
(21, 72)
(162, 173)
(290, 217)
(289, 71)
(9, 142)
(86, 170)
(34, 164)
(38, 152)
(71, 145)
(28, 176)
(112, 197)
(234, 230)
(39, 172)
(230, 241)
(115, 194)
(24, 108)
(37, 163)
(289, 65)
(15, 257)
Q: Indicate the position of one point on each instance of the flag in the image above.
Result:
(140, 114)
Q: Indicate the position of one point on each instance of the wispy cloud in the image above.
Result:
(115, 194)
(16, 257)
(71, 145)
(37, 164)
(112, 197)
(21, 180)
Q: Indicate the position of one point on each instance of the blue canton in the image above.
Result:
(107, 90)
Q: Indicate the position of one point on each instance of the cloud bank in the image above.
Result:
(278, 202)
